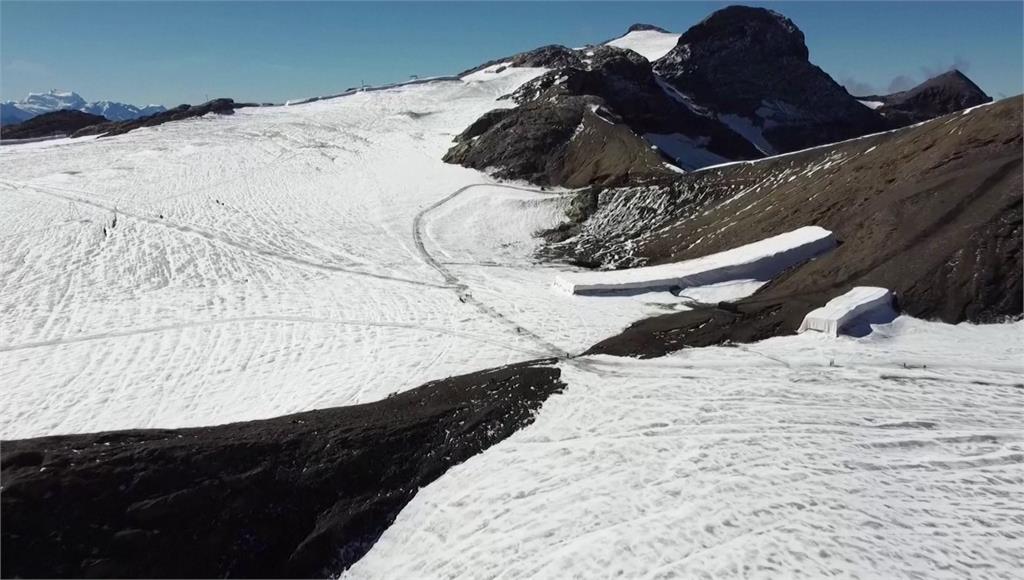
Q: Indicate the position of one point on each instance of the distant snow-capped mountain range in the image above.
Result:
(38, 103)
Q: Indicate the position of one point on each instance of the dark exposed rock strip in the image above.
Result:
(51, 124)
(303, 495)
(218, 106)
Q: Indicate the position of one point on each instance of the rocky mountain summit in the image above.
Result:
(588, 116)
(945, 93)
(738, 85)
(641, 27)
(752, 65)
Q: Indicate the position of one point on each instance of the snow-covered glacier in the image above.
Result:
(282, 259)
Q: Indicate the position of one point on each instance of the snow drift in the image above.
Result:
(757, 261)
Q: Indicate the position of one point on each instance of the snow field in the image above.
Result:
(234, 268)
(649, 44)
(793, 457)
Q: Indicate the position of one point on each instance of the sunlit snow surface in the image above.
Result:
(649, 44)
(233, 268)
(762, 461)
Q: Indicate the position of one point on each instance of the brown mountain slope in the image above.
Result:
(932, 212)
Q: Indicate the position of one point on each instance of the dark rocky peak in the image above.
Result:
(940, 95)
(735, 30)
(954, 79)
(639, 26)
(586, 122)
(948, 92)
(752, 63)
(604, 70)
(550, 56)
(619, 62)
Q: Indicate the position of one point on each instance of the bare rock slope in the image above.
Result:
(932, 212)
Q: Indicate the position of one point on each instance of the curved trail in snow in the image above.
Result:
(64, 194)
(460, 288)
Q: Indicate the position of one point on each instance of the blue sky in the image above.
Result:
(171, 53)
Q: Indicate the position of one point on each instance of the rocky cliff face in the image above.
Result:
(751, 65)
(589, 113)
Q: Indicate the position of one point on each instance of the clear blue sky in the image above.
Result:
(170, 53)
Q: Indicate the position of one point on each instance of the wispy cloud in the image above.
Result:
(856, 87)
(901, 83)
(26, 67)
(959, 63)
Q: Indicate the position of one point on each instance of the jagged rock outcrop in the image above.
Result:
(550, 56)
(945, 93)
(57, 123)
(218, 106)
(932, 212)
(572, 142)
(575, 119)
(752, 64)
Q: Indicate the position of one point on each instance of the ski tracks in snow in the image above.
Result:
(65, 194)
(461, 289)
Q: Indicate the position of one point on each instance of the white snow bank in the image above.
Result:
(859, 303)
(871, 104)
(757, 261)
(649, 44)
(746, 128)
